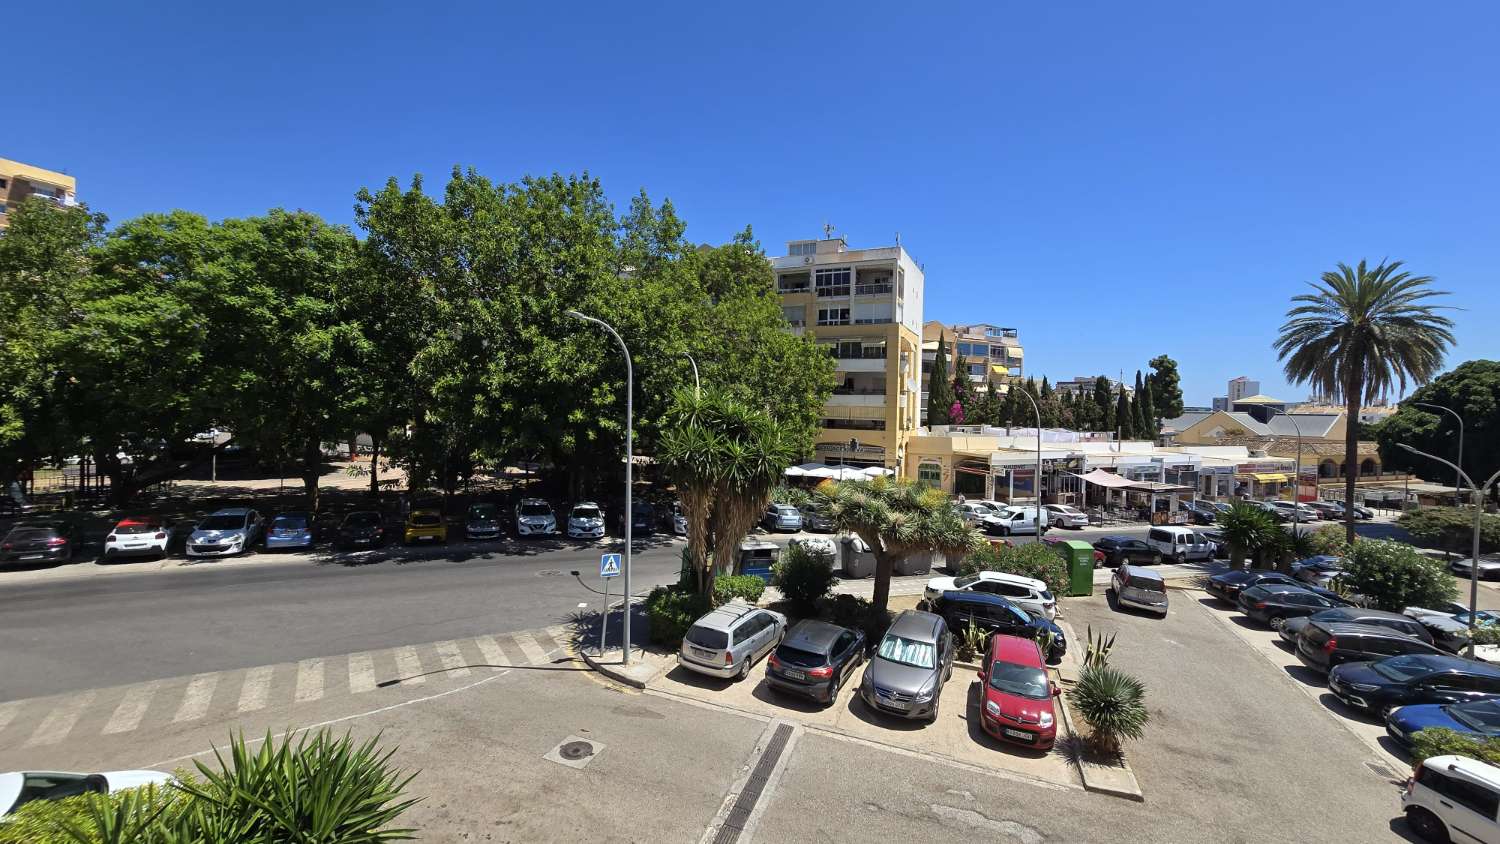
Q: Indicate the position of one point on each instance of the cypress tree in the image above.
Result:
(1104, 405)
(1148, 410)
(939, 388)
(1123, 422)
(1138, 408)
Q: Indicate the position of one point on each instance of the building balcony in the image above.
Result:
(845, 399)
(873, 288)
(830, 291)
(859, 364)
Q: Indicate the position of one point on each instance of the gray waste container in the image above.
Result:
(917, 562)
(857, 559)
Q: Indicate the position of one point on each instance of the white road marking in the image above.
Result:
(409, 666)
(59, 722)
(195, 701)
(309, 680)
(558, 634)
(256, 689)
(361, 673)
(534, 653)
(492, 653)
(131, 709)
(453, 659)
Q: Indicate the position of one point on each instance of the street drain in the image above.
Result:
(575, 752)
(550, 573)
(1381, 770)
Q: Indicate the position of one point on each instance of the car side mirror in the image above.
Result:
(1056, 690)
(980, 672)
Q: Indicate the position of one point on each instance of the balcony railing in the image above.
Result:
(833, 290)
(791, 288)
(859, 391)
(871, 287)
(874, 321)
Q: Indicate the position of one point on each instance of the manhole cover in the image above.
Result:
(550, 573)
(574, 751)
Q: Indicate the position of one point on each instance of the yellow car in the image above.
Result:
(426, 525)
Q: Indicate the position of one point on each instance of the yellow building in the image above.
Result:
(18, 181)
(865, 307)
(989, 352)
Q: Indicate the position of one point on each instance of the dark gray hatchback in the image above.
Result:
(815, 659)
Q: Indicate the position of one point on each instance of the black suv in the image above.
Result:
(1378, 687)
(996, 614)
(1324, 644)
(1359, 615)
(1118, 550)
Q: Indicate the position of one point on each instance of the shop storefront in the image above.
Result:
(1263, 479)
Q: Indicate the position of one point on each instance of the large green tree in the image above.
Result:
(1362, 332)
(1166, 387)
(939, 388)
(1472, 390)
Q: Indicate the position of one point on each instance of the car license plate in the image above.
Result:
(795, 675)
(701, 652)
(31, 556)
(894, 704)
(1017, 734)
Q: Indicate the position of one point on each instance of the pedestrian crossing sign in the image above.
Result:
(609, 565)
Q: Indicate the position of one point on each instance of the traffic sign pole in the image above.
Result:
(604, 621)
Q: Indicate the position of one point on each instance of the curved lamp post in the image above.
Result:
(1479, 491)
(1038, 479)
(1458, 478)
(1296, 474)
(629, 489)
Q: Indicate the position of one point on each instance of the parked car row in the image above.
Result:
(904, 672)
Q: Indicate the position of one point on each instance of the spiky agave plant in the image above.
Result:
(1114, 704)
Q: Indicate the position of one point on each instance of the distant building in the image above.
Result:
(865, 307)
(1083, 386)
(19, 181)
(989, 352)
(1239, 388)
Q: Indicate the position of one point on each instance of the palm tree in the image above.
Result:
(1359, 334)
(1250, 530)
(895, 518)
(725, 458)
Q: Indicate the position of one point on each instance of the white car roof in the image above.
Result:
(1470, 768)
(1006, 577)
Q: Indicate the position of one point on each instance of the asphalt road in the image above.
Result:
(71, 633)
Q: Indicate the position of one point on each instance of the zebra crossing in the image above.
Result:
(191, 700)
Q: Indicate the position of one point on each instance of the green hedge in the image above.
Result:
(727, 587)
(1329, 539)
(1034, 559)
(1394, 575)
(804, 577)
(671, 612)
(1439, 741)
(1452, 529)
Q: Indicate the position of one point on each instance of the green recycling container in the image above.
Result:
(1080, 559)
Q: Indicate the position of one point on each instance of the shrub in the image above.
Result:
(847, 610)
(1114, 704)
(1393, 575)
(804, 576)
(727, 587)
(1440, 741)
(1251, 530)
(671, 612)
(793, 495)
(1034, 559)
(137, 814)
(1487, 634)
(1451, 529)
(1329, 539)
(970, 642)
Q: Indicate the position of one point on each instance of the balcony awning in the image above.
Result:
(1109, 480)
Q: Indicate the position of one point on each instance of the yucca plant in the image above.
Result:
(1114, 704)
(1096, 655)
(971, 641)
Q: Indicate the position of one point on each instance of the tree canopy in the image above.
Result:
(1472, 390)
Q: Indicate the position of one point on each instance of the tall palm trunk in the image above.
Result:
(1352, 394)
(885, 563)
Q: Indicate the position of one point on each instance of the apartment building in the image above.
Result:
(865, 307)
(1083, 386)
(18, 181)
(989, 352)
(1239, 388)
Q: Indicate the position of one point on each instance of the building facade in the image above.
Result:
(865, 307)
(19, 181)
(989, 352)
(1239, 388)
(1083, 386)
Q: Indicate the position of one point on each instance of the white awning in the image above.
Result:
(1099, 477)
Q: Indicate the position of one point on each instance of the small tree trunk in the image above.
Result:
(1351, 448)
(312, 461)
(375, 465)
(885, 563)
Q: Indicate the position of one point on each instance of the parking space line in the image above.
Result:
(361, 673)
(132, 708)
(409, 666)
(309, 680)
(59, 722)
(195, 701)
(256, 688)
(452, 659)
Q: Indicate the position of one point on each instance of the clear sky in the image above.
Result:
(1116, 180)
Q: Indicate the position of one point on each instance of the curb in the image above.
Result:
(637, 675)
(1101, 779)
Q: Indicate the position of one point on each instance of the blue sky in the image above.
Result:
(1115, 180)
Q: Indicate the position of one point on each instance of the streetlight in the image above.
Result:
(1296, 473)
(1038, 480)
(629, 437)
(1457, 484)
(1479, 492)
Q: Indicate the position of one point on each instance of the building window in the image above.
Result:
(872, 283)
(796, 315)
(873, 351)
(976, 370)
(900, 283)
(855, 424)
(4, 184)
(833, 282)
(849, 349)
(930, 474)
(809, 247)
(792, 283)
(873, 313)
(833, 316)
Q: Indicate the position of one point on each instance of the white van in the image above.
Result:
(1179, 544)
(1018, 520)
(1453, 798)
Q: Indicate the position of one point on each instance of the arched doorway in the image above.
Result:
(1369, 467)
(1328, 469)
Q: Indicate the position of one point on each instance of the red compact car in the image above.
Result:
(1018, 693)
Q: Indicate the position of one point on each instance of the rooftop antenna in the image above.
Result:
(898, 238)
(827, 230)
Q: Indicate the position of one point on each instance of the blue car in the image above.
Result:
(290, 530)
(997, 614)
(1479, 718)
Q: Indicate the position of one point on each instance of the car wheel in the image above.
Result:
(1005, 530)
(744, 670)
(1276, 622)
(933, 716)
(1426, 825)
(1181, 558)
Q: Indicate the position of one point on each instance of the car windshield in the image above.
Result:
(799, 657)
(362, 520)
(908, 651)
(1019, 680)
(56, 787)
(128, 528)
(425, 519)
(707, 637)
(289, 523)
(482, 512)
(222, 523)
(1483, 716)
(535, 510)
(1402, 668)
(585, 512)
(966, 581)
